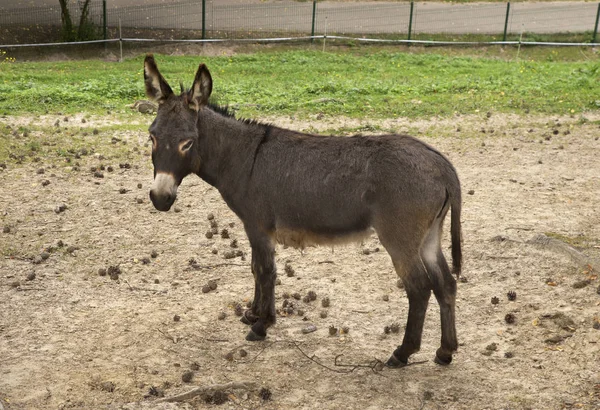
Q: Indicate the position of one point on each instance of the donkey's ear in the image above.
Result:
(201, 88)
(157, 88)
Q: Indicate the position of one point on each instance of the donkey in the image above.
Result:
(300, 190)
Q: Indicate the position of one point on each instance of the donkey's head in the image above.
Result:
(173, 133)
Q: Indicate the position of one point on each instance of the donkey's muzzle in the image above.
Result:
(163, 192)
(162, 202)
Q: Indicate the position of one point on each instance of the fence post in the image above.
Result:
(104, 23)
(410, 19)
(203, 19)
(506, 20)
(596, 26)
(314, 14)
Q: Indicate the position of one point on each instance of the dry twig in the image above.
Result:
(209, 390)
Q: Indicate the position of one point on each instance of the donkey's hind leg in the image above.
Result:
(263, 267)
(418, 290)
(444, 288)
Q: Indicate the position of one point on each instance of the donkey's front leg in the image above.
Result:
(265, 273)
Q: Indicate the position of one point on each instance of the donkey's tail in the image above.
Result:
(455, 231)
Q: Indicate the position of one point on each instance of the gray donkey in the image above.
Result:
(302, 190)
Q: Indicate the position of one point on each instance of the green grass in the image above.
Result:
(359, 82)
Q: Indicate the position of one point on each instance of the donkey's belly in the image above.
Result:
(300, 238)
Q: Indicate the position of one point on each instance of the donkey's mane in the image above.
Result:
(226, 111)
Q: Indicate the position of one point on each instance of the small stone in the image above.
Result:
(44, 255)
(385, 298)
(176, 318)
(228, 356)
(156, 281)
(102, 272)
(60, 208)
(15, 284)
(31, 276)
(139, 200)
(153, 254)
(210, 217)
(98, 174)
(177, 209)
(139, 186)
(300, 312)
(222, 316)
(471, 192)
(122, 191)
(366, 251)
(45, 182)
(187, 377)
(323, 314)
(71, 249)
(325, 302)
(209, 235)
(205, 289)
(41, 171)
(214, 251)
(243, 353)
(309, 329)
(212, 284)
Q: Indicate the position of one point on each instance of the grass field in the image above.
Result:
(359, 82)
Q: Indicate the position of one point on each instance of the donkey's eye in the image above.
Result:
(185, 146)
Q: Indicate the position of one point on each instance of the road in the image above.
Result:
(353, 18)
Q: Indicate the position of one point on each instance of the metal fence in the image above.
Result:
(391, 21)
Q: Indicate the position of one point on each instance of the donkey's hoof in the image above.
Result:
(395, 363)
(443, 359)
(253, 337)
(249, 318)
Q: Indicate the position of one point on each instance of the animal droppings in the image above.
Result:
(228, 356)
(102, 272)
(243, 353)
(395, 327)
(205, 289)
(510, 318)
(323, 314)
(387, 330)
(222, 316)
(289, 271)
(187, 377)
(238, 309)
(153, 254)
(325, 302)
(296, 296)
(6, 229)
(495, 300)
(176, 318)
(31, 276)
(333, 330)
(212, 284)
(225, 234)
(210, 217)
(209, 234)
(312, 295)
(512, 295)
(265, 394)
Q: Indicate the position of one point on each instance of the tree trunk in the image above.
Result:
(67, 23)
(83, 22)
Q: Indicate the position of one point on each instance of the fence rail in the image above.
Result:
(209, 20)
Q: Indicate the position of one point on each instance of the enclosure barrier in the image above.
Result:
(557, 24)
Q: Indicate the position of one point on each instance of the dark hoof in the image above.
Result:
(443, 359)
(395, 363)
(249, 318)
(253, 337)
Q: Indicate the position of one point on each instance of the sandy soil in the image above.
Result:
(72, 338)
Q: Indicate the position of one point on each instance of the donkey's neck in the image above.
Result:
(227, 149)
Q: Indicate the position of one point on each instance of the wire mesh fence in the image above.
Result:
(575, 22)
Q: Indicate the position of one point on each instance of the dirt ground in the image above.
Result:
(72, 337)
